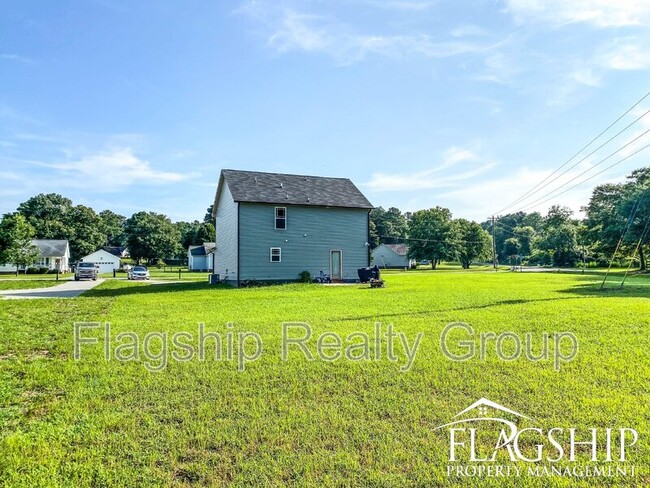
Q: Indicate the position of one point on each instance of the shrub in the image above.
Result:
(304, 277)
(37, 270)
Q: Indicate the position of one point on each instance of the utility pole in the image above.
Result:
(494, 247)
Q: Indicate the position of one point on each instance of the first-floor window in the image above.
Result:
(276, 254)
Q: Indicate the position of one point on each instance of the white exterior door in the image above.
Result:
(336, 264)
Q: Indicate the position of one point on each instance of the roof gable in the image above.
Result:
(287, 189)
(51, 247)
(103, 254)
(399, 249)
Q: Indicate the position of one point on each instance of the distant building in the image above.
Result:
(201, 258)
(104, 260)
(391, 256)
(54, 253)
(271, 227)
(119, 251)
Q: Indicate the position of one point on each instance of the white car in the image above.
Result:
(139, 273)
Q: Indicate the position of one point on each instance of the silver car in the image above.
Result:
(139, 273)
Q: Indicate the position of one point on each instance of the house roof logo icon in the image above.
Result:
(484, 403)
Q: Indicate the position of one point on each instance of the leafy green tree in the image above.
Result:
(151, 236)
(16, 241)
(560, 236)
(431, 235)
(49, 215)
(608, 212)
(390, 226)
(508, 224)
(207, 219)
(472, 242)
(205, 233)
(86, 231)
(511, 247)
(113, 227)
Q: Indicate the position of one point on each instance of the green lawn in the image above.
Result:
(299, 422)
(166, 274)
(18, 284)
(31, 277)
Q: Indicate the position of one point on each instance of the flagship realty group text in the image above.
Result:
(457, 341)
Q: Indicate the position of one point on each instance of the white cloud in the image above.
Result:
(290, 30)
(468, 30)
(432, 178)
(626, 54)
(297, 31)
(407, 5)
(16, 58)
(600, 13)
(115, 169)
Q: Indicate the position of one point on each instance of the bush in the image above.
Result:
(304, 277)
(37, 270)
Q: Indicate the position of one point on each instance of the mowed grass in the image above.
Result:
(306, 423)
(18, 284)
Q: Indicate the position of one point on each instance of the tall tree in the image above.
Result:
(560, 236)
(113, 227)
(208, 215)
(472, 242)
(49, 215)
(86, 231)
(16, 241)
(151, 236)
(431, 235)
(390, 226)
(612, 207)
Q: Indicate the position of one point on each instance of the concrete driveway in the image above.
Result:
(68, 289)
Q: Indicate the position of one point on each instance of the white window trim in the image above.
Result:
(279, 254)
(275, 218)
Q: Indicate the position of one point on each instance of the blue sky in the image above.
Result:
(465, 104)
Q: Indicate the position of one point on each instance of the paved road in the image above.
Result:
(68, 289)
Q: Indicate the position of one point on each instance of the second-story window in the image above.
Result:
(280, 218)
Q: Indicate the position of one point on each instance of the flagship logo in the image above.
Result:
(490, 440)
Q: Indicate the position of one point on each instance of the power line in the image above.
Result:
(536, 187)
(535, 204)
(590, 154)
(445, 241)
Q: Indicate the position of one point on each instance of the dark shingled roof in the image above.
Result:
(399, 249)
(202, 250)
(283, 189)
(51, 247)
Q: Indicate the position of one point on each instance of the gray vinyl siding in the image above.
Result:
(384, 257)
(311, 233)
(226, 240)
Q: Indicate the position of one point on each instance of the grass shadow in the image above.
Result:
(424, 313)
(150, 288)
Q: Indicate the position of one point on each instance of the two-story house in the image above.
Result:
(271, 227)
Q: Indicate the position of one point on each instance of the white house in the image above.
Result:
(54, 253)
(391, 256)
(106, 261)
(201, 258)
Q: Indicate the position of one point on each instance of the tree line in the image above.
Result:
(149, 236)
(616, 223)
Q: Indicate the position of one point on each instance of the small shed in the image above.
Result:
(106, 261)
(201, 258)
(391, 256)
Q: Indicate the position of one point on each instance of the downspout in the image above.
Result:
(238, 240)
(368, 241)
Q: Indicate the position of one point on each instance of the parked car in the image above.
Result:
(85, 271)
(139, 273)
